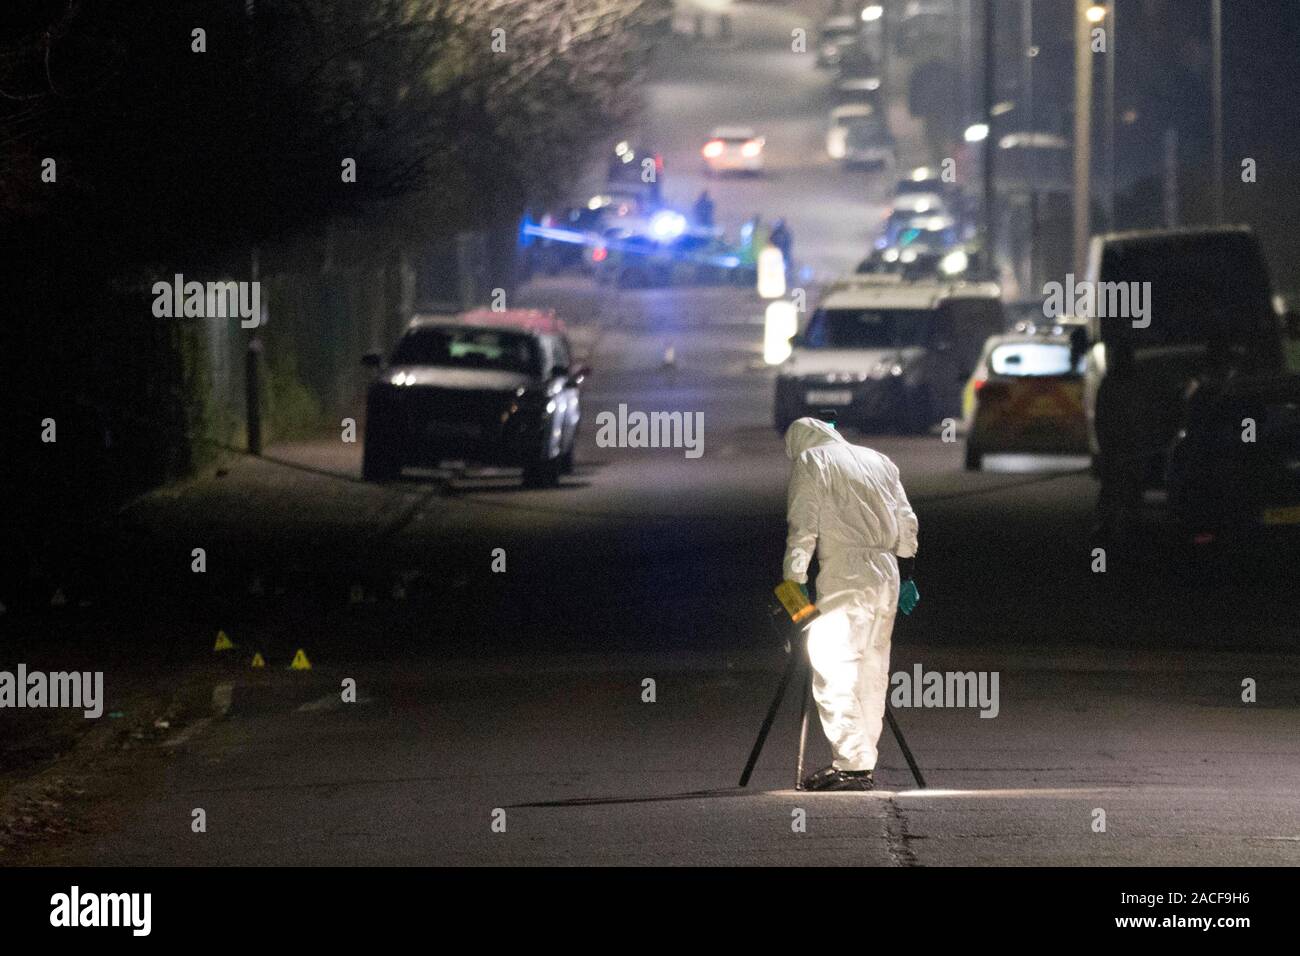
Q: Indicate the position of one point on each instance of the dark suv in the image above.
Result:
(488, 388)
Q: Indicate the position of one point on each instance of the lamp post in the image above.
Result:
(989, 150)
(1082, 134)
(1028, 52)
(1216, 108)
(1108, 135)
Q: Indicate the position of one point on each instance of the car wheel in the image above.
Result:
(782, 419)
(974, 458)
(917, 414)
(543, 474)
(378, 462)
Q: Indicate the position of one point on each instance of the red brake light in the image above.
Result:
(979, 383)
(599, 254)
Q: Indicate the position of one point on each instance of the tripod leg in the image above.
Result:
(902, 744)
(803, 725)
(790, 668)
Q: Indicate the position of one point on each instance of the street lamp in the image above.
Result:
(1108, 140)
(1096, 14)
(1030, 124)
(976, 133)
(1216, 107)
(988, 148)
(1082, 134)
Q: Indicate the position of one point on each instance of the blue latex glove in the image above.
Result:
(908, 596)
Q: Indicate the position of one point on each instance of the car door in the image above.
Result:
(944, 378)
(570, 410)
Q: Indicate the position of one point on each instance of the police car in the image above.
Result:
(1026, 396)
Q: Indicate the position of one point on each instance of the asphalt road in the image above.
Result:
(523, 691)
(519, 696)
(758, 80)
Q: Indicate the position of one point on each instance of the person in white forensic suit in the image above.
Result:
(847, 505)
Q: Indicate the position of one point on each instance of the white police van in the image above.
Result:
(888, 354)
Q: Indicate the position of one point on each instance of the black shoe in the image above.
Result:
(815, 781)
(846, 780)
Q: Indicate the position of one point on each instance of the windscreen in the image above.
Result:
(469, 348)
(838, 33)
(869, 328)
(1032, 359)
(914, 186)
(866, 132)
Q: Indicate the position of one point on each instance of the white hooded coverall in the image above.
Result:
(848, 504)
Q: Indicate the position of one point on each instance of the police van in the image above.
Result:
(888, 354)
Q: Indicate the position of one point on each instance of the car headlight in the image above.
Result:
(667, 224)
(954, 263)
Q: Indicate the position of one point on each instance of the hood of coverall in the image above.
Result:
(805, 433)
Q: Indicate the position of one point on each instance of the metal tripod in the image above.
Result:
(799, 663)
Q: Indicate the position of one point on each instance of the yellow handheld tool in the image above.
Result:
(796, 603)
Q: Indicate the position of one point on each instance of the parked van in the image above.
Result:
(887, 353)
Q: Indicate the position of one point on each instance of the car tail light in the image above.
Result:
(980, 383)
(752, 148)
(599, 254)
(713, 149)
(659, 163)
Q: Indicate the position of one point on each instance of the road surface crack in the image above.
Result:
(898, 839)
